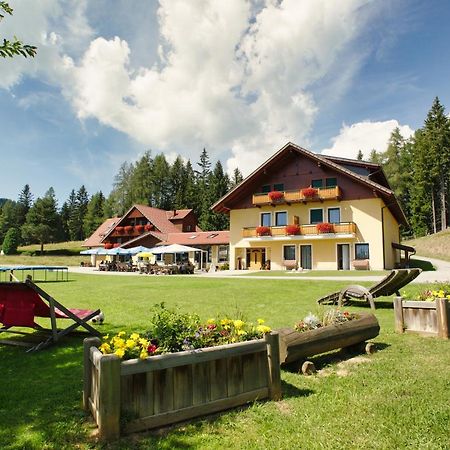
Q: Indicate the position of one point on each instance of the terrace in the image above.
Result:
(297, 196)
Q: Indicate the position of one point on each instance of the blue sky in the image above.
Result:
(113, 79)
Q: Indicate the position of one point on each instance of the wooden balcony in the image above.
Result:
(348, 228)
(297, 196)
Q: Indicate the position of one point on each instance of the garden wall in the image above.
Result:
(135, 395)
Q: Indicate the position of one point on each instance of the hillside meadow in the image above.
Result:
(398, 397)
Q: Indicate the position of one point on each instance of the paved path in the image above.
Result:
(442, 274)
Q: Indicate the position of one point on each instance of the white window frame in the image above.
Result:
(295, 252)
(275, 218)
(334, 207)
(260, 218)
(309, 215)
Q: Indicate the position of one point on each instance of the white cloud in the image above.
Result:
(365, 136)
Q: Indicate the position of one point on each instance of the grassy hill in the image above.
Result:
(432, 246)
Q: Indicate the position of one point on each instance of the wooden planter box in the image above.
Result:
(295, 346)
(428, 318)
(135, 395)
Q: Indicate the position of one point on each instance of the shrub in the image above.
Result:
(309, 192)
(292, 229)
(275, 196)
(11, 241)
(324, 227)
(263, 231)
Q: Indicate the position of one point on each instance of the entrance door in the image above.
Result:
(255, 258)
(343, 257)
(306, 256)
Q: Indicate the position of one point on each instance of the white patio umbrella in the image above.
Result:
(118, 251)
(177, 248)
(94, 251)
(138, 249)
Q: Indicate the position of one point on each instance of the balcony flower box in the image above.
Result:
(324, 228)
(276, 196)
(292, 229)
(116, 245)
(296, 346)
(129, 229)
(148, 227)
(309, 192)
(139, 228)
(120, 230)
(140, 394)
(263, 231)
(430, 318)
(108, 246)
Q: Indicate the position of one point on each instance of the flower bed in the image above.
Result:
(324, 227)
(158, 388)
(292, 229)
(313, 336)
(263, 231)
(309, 192)
(427, 314)
(276, 196)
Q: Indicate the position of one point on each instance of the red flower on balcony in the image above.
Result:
(119, 230)
(275, 196)
(292, 229)
(263, 231)
(116, 245)
(324, 227)
(129, 229)
(139, 228)
(108, 246)
(309, 192)
(148, 227)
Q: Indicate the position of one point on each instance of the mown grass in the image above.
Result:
(316, 273)
(397, 398)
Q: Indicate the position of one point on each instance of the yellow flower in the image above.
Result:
(211, 321)
(225, 321)
(261, 321)
(143, 342)
(241, 332)
(130, 343)
(105, 348)
(143, 354)
(238, 324)
(121, 333)
(134, 336)
(263, 329)
(120, 352)
(118, 342)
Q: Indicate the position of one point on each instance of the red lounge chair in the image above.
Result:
(20, 303)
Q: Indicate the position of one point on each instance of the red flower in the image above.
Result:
(129, 228)
(151, 349)
(309, 192)
(263, 231)
(324, 227)
(292, 229)
(139, 228)
(119, 229)
(276, 195)
(148, 227)
(116, 245)
(212, 326)
(108, 245)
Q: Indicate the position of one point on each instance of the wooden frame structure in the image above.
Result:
(169, 388)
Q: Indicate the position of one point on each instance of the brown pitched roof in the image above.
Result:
(179, 214)
(386, 193)
(135, 242)
(96, 238)
(198, 238)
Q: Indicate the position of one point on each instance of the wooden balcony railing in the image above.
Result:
(305, 230)
(297, 196)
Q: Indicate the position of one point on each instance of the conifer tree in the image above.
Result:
(94, 214)
(160, 182)
(237, 178)
(141, 180)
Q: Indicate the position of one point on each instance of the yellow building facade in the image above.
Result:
(303, 211)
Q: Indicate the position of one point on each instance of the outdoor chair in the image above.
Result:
(20, 303)
(389, 285)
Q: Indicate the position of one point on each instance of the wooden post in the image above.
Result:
(87, 379)
(109, 397)
(398, 315)
(442, 313)
(273, 353)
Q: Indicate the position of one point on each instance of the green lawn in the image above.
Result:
(316, 273)
(397, 398)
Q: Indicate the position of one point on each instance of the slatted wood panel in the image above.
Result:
(169, 388)
(431, 318)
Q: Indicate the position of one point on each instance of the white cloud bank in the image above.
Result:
(233, 76)
(365, 136)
